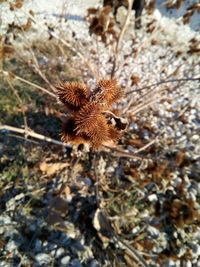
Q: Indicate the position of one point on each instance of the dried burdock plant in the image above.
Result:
(107, 92)
(88, 119)
(195, 7)
(73, 95)
(102, 23)
(174, 4)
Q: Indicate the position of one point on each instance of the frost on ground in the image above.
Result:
(49, 211)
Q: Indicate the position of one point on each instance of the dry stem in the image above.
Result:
(31, 133)
(121, 36)
(146, 104)
(7, 74)
(162, 82)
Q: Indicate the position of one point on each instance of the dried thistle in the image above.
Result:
(88, 118)
(73, 94)
(87, 122)
(114, 133)
(69, 133)
(107, 92)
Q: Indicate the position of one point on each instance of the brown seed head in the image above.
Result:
(86, 118)
(109, 92)
(73, 94)
(69, 133)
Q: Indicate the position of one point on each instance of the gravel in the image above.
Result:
(32, 237)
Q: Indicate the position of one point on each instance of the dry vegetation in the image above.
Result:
(130, 196)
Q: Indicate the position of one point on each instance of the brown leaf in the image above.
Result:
(6, 50)
(2, 242)
(27, 26)
(136, 142)
(180, 158)
(31, 12)
(135, 79)
(17, 4)
(52, 168)
(129, 261)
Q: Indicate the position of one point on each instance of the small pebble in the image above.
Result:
(188, 264)
(152, 198)
(135, 230)
(59, 252)
(64, 261)
(43, 258)
(94, 263)
(153, 232)
(196, 249)
(11, 246)
(38, 245)
(195, 138)
(4, 219)
(171, 263)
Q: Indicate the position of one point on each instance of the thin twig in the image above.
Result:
(36, 66)
(31, 133)
(161, 82)
(147, 145)
(124, 154)
(147, 104)
(183, 111)
(140, 102)
(23, 138)
(94, 162)
(121, 36)
(6, 73)
(135, 253)
(85, 60)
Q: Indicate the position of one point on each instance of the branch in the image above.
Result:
(121, 36)
(37, 69)
(85, 60)
(130, 3)
(147, 104)
(134, 252)
(12, 75)
(31, 133)
(161, 82)
(122, 153)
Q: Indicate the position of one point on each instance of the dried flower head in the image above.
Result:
(87, 118)
(113, 133)
(88, 122)
(107, 92)
(69, 133)
(73, 94)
